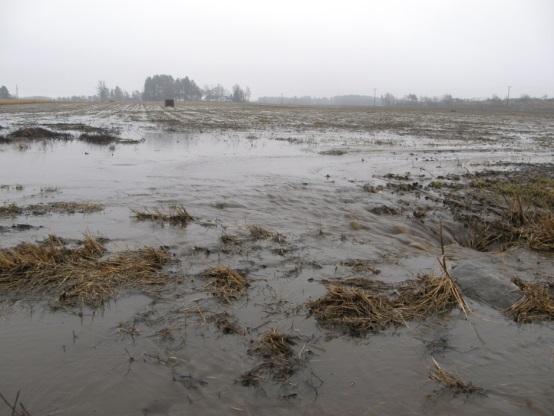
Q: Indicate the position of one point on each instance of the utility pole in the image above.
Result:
(374, 96)
(508, 96)
(16, 91)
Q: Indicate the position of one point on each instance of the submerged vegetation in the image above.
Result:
(226, 323)
(175, 215)
(79, 275)
(451, 381)
(279, 360)
(61, 207)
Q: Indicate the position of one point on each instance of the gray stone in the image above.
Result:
(485, 284)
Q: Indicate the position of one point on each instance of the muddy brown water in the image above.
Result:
(233, 166)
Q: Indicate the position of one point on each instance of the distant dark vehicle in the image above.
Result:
(170, 103)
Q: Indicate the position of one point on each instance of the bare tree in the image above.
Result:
(102, 91)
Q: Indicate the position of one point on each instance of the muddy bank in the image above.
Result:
(92, 135)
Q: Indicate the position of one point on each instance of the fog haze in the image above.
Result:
(466, 48)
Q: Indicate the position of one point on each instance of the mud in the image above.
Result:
(308, 175)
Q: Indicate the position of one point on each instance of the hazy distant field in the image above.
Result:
(16, 101)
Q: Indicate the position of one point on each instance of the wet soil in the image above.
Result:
(344, 193)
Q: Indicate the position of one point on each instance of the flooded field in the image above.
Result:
(204, 257)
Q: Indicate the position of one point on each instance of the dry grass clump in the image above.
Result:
(226, 284)
(536, 304)
(175, 216)
(79, 275)
(451, 381)
(428, 295)
(358, 310)
(257, 232)
(278, 358)
(362, 306)
(275, 345)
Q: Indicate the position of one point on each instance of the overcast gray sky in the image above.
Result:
(469, 48)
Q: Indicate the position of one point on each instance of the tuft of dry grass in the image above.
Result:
(536, 304)
(79, 275)
(451, 381)
(363, 305)
(274, 344)
(226, 284)
(428, 295)
(175, 216)
(257, 232)
(356, 309)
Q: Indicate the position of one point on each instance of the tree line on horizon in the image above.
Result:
(160, 87)
(389, 100)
